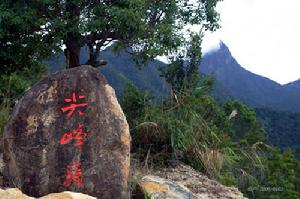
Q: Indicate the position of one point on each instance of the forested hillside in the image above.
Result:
(282, 128)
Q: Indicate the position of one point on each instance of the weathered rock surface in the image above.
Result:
(1, 168)
(68, 133)
(14, 193)
(182, 180)
(199, 184)
(160, 188)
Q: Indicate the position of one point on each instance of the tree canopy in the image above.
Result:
(37, 28)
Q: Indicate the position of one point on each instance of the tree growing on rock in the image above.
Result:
(38, 28)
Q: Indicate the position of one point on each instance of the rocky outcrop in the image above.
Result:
(14, 193)
(68, 133)
(160, 188)
(181, 181)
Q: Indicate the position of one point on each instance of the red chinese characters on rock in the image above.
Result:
(74, 172)
(76, 134)
(72, 107)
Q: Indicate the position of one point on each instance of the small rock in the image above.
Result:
(198, 184)
(159, 188)
(14, 193)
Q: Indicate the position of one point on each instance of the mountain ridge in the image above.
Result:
(293, 84)
(252, 89)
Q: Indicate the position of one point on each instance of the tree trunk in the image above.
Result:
(73, 53)
(72, 40)
(92, 59)
(93, 55)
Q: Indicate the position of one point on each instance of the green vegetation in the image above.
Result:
(226, 142)
(14, 84)
(282, 128)
(149, 28)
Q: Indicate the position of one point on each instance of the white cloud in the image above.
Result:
(263, 35)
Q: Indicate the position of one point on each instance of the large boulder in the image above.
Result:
(68, 133)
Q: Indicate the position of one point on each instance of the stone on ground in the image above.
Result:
(181, 181)
(14, 193)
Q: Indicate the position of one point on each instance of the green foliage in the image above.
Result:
(147, 196)
(150, 28)
(244, 124)
(134, 103)
(282, 128)
(20, 37)
(13, 86)
(192, 128)
(182, 74)
(280, 179)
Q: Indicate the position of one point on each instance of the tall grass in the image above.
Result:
(191, 128)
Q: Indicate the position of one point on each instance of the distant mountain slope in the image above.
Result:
(282, 128)
(254, 90)
(121, 70)
(293, 85)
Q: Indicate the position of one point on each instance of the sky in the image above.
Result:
(262, 35)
